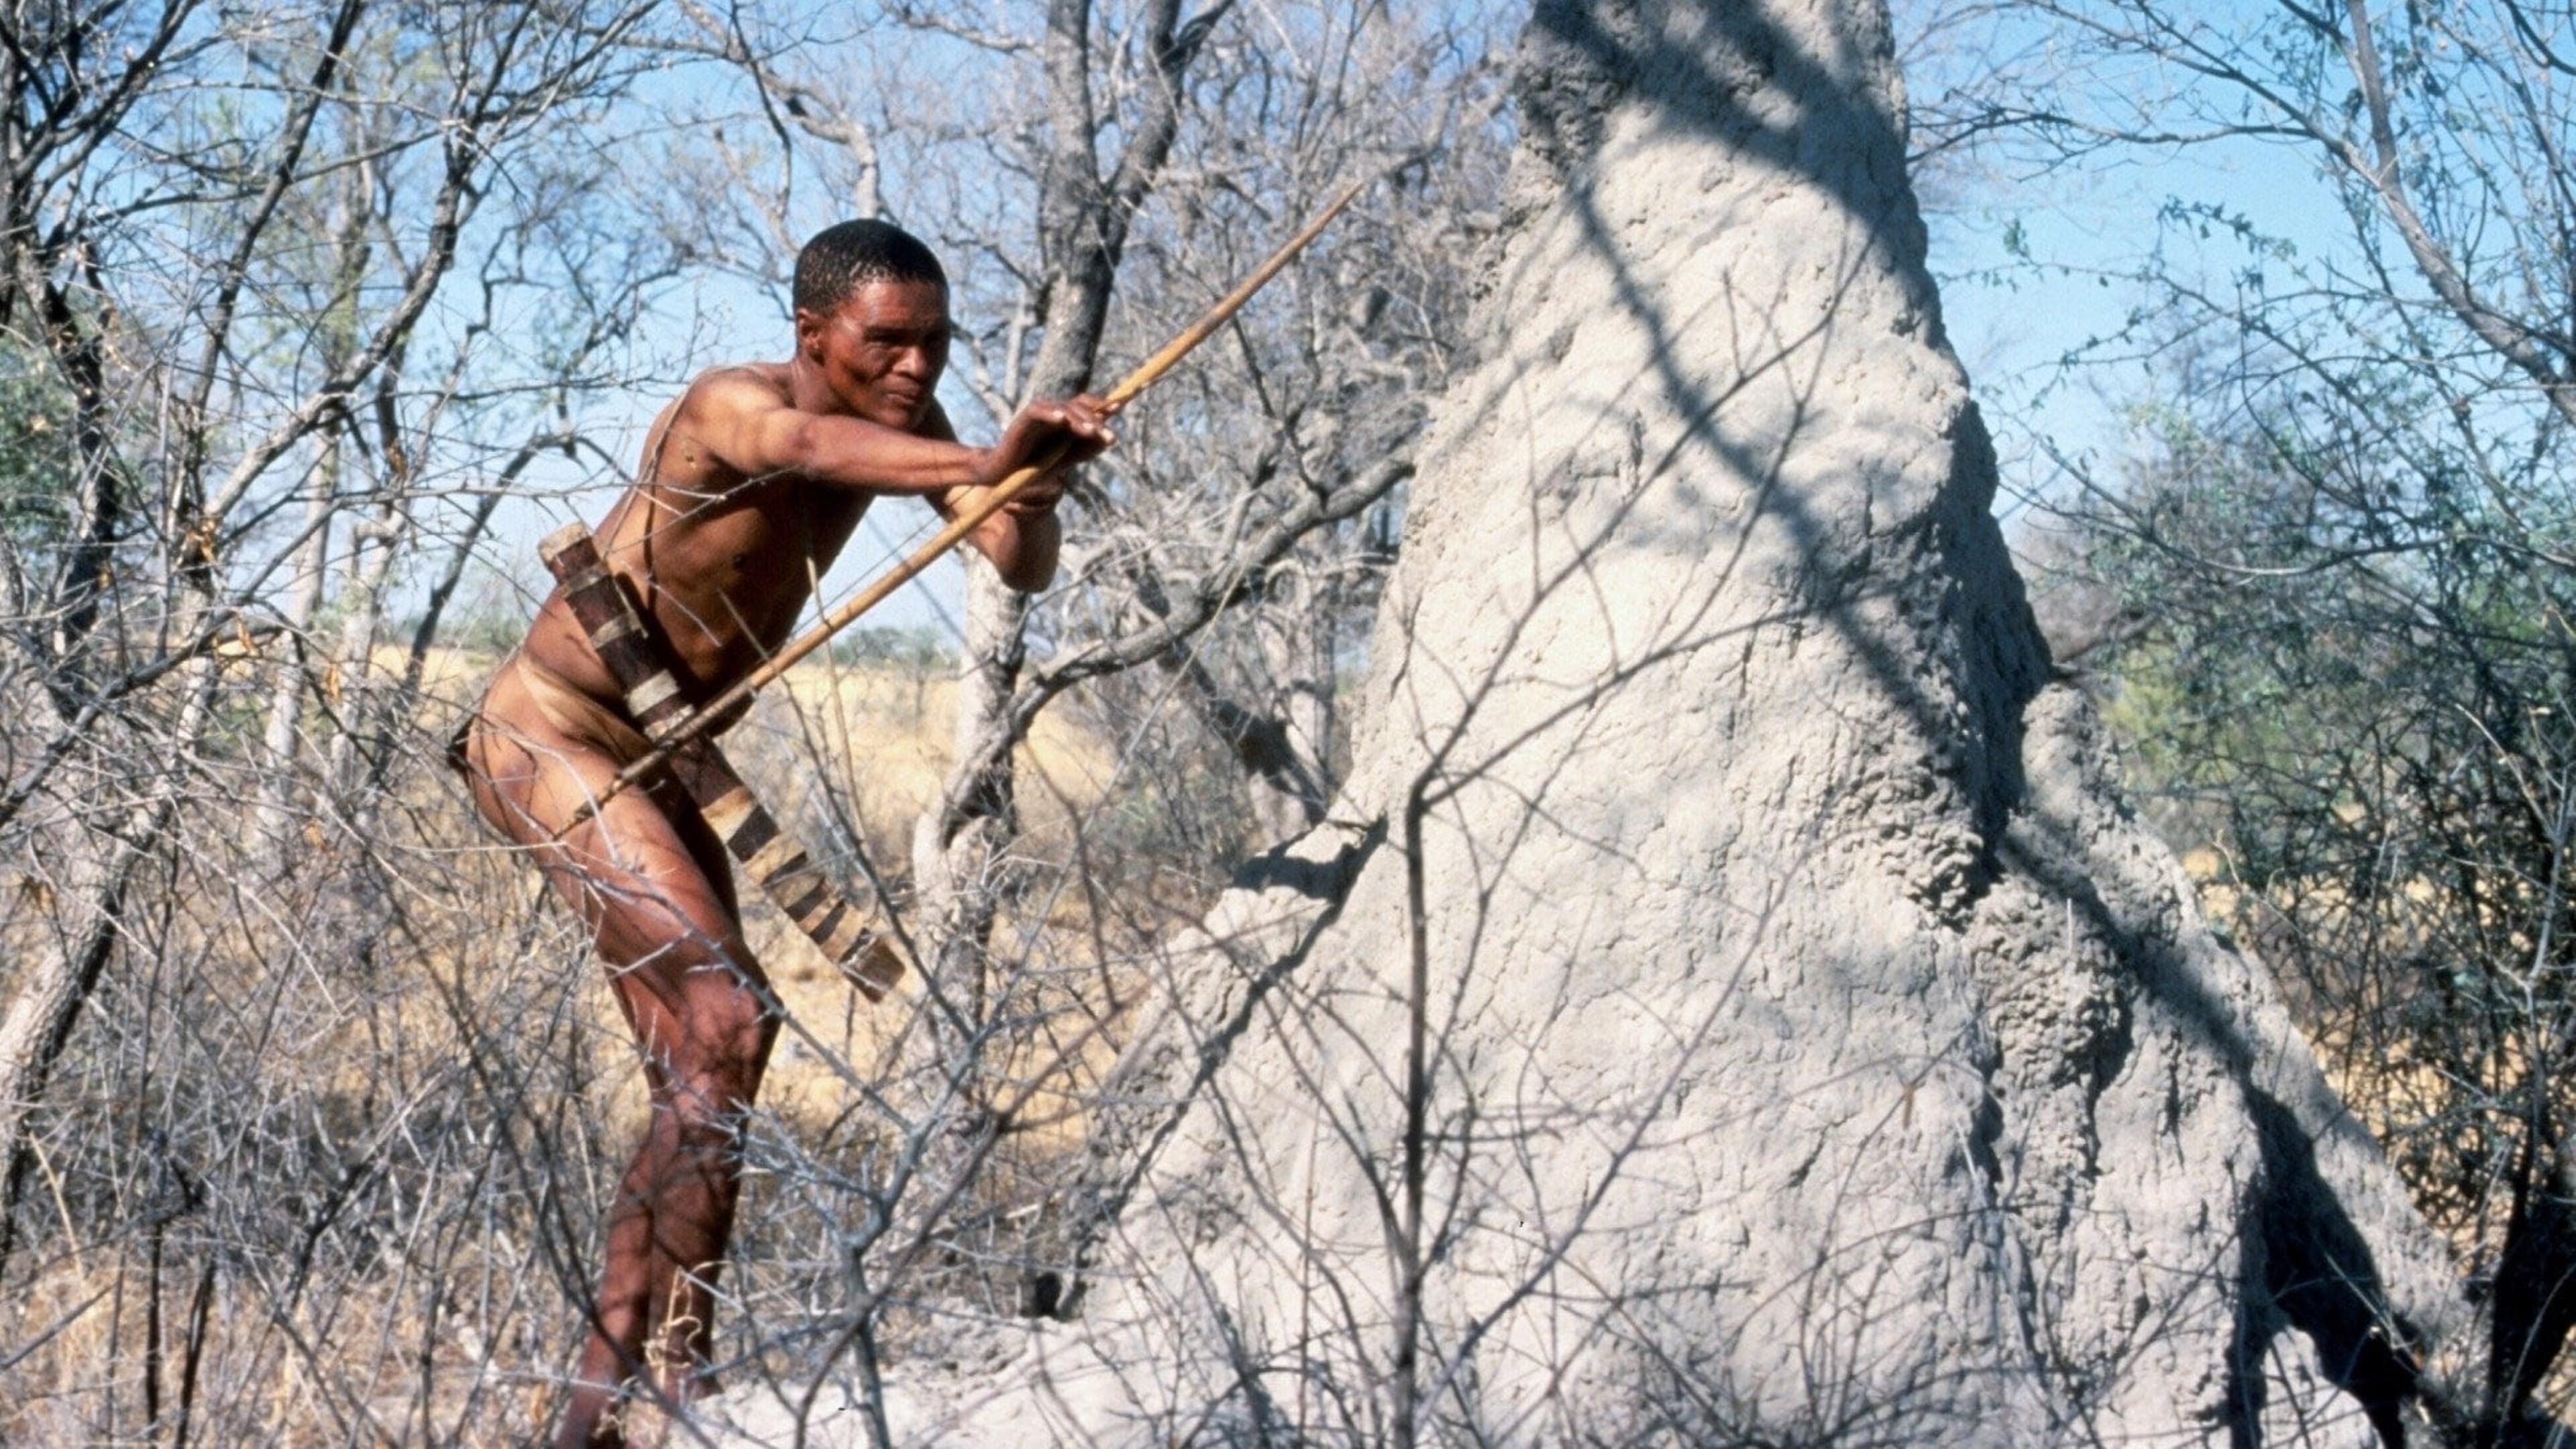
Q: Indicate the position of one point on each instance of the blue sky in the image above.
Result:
(2014, 319)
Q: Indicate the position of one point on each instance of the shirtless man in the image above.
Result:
(751, 483)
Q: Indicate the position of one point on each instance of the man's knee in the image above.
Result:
(699, 965)
(727, 1036)
(706, 1116)
(731, 996)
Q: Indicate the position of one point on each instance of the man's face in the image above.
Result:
(882, 350)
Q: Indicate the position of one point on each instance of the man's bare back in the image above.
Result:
(751, 484)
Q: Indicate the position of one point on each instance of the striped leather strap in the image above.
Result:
(785, 872)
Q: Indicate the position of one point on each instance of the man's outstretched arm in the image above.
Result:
(743, 421)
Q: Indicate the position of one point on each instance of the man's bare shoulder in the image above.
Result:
(736, 389)
(710, 435)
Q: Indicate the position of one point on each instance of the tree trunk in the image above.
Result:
(359, 748)
(53, 984)
(960, 843)
(281, 782)
(1731, 1002)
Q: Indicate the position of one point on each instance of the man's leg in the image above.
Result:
(651, 882)
(696, 1001)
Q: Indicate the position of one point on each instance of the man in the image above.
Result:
(751, 483)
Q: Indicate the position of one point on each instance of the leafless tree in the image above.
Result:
(292, 295)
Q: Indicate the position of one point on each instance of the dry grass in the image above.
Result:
(374, 1103)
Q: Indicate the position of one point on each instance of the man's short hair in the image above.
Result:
(840, 258)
